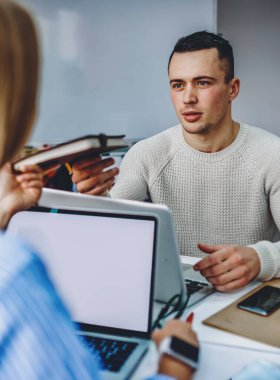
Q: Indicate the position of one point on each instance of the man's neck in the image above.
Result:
(213, 142)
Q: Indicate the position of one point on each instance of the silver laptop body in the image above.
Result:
(170, 274)
(103, 266)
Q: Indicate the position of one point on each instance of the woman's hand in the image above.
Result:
(168, 365)
(18, 192)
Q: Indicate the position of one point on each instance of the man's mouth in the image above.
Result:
(191, 116)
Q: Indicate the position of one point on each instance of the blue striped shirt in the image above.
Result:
(37, 337)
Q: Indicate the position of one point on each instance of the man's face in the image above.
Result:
(198, 90)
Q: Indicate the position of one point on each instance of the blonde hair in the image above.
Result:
(19, 77)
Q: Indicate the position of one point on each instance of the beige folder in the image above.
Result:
(249, 325)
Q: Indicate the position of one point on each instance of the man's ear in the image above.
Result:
(234, 86)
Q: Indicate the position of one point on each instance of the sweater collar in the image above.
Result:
(212, 157)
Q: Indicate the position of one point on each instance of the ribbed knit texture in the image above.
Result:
(227, 197)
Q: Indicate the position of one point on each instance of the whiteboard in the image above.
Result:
(105, 64)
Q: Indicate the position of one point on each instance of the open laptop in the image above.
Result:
(171, 277)
(103, 267)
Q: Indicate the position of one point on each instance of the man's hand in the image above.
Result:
(18, 192)
(90, 176)
(169, 365)
(228, 267)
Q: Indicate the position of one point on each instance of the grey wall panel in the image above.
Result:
(253, 27)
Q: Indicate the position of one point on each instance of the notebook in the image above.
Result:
(171, 277)
(103, 267)
(72, 150)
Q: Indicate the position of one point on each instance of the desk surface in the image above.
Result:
(222, 354)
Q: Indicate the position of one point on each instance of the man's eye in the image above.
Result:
(177, 86)
(202, 83)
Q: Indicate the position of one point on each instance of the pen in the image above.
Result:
(69, 168)
(190, 318)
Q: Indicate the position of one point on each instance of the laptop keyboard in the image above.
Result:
(194, 286)
(112, 353)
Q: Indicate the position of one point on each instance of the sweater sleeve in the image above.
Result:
(131, 182)
(269, 252)
(37, 337)
(269, 255)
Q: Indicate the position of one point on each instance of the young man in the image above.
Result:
(221, 179)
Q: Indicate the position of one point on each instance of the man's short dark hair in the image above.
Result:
(206, 40)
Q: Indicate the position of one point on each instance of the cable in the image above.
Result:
(185, 304)
(165, 312)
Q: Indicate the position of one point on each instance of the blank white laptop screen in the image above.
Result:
(101, 265)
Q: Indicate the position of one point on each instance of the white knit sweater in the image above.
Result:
(228, 197)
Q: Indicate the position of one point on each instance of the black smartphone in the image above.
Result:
(264, 302)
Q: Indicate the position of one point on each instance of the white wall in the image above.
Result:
(253, 27)
(105, 64)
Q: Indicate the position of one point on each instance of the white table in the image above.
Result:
(222, 354)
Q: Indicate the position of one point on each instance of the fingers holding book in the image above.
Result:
(94, 176)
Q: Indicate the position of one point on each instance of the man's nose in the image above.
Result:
(190, 95)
